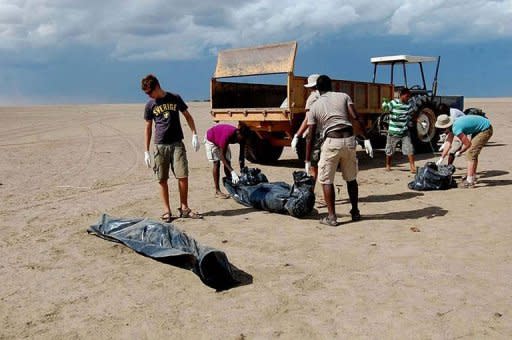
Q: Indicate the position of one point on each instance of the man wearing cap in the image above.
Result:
(478, 127)
(333, 113)
(312, 168)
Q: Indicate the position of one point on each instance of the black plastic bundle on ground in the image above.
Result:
(254, 190)
(433, 177)
(166, 243)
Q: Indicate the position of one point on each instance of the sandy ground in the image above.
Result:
(61, 167)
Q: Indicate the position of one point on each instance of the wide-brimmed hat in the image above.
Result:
(444, 122)
(312, 80)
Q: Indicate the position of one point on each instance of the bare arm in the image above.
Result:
(224, 160)
(466, 142)
(447, 145)
(302, 127)
(147, 133)
(241, 155)
(356, 117)
(190, 121)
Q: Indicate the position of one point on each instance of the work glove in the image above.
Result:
(195, 142)
(442, 146)
(440, 161)
(234, 177)
(295, 141)
(307, 167)
(147, 159)
(457, 154)
(368, 147)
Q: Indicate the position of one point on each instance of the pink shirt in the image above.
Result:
(220, 134)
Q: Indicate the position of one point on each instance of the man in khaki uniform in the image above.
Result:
(332, 114)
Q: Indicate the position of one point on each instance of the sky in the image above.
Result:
(71, 51)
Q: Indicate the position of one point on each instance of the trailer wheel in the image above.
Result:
(261, 151)
(424, 133)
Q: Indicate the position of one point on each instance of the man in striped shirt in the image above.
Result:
(398, 130)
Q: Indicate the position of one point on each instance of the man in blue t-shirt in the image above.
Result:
(170, 154)
(478, 127)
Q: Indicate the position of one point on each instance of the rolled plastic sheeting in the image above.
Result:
(166, 243)
(433, 177)
(254, 190)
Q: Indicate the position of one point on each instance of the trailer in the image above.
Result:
(260, 106)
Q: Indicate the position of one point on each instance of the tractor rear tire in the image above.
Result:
(424, 134)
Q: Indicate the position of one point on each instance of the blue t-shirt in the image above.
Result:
(165, 112)
(470, 125)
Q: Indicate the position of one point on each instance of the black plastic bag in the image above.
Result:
(253, 190)
(433, 177)
(166, 243)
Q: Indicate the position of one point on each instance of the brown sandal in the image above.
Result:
(188, 213)
(167, 217)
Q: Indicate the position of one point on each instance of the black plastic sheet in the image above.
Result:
(254, 190)
(166, 243)
(433, 177)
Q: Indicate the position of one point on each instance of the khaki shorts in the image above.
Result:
(170, 156)
(392, 141)
(213, 151)
(477, 143)
(337, 151)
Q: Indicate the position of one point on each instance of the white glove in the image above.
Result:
(442, 146)
(295, 141)
(195, 142)
(368, 147)
(307, 167)
(147, 158)
(234, 177)
(440, 161)
(457, 154)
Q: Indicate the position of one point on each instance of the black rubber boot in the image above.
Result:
(353, 194)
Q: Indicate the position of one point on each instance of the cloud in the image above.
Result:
(180, 30)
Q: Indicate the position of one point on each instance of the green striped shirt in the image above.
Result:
(398, 117)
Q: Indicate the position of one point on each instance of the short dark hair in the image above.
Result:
(405, 90)
(149, 83)
(323, 83)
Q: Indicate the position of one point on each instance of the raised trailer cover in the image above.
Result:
(268, 59)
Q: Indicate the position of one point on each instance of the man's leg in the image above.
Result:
(353, 194)
(388, 162)
(329, 197)
(389, 150)
(183, 188)
(216, 175)
(164, 193)
(411, 163)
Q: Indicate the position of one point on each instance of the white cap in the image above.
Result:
(312, 80)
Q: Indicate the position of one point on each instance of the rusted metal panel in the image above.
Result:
(267, 59)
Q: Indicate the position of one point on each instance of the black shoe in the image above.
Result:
(356, 216)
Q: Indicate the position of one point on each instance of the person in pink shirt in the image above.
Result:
(217, 142)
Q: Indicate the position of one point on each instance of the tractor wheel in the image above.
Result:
(424, 134)
(261, 151)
